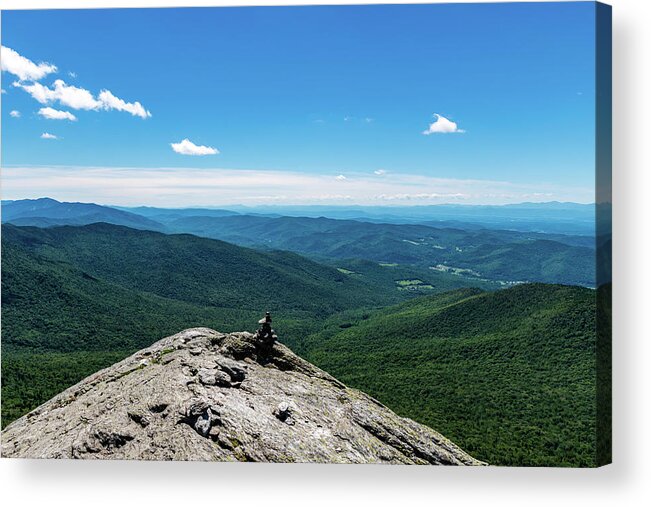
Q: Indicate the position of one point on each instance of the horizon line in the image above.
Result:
(274, 205)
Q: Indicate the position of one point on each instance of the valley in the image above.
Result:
(443, 325)
(500, 256)
(98, 292)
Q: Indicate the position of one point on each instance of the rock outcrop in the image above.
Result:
(204, 395)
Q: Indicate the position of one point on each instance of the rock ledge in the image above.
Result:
(204, 395)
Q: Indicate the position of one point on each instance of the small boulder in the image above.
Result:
(214, 378)
(203, 424)
(284, 412)
(236, 371)
(201, 416)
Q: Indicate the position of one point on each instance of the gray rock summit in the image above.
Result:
(204, 395)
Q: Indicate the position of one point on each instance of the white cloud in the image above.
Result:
(38, 91)
(23, 68)
(442, 126)
(368, 120)
(187, 147)
(3, 91)
(71, 96)
(14, 114)
(538, 195)
(110, 101)
(340, 177)
(54, 114)
(183, 186)
(380, 172)
(74, 97)
(46, 135)
(68, 95)
(80, 98)
(421, 196)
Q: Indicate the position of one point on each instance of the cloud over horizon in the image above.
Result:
(183, 187)
(442, 126)
(187, 147)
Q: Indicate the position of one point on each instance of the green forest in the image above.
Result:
(97, 293)
(507, 374)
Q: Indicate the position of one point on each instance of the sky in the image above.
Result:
(421, 104)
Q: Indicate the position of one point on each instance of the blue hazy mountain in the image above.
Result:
(550, 217)
(46, 212)
(170, 213)
(547, 217)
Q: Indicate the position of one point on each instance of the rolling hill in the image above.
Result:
(463, 249)
(87, 296)
(496, 255)
(77, 267)
(173, 213)
(509, 375)
(76, 299)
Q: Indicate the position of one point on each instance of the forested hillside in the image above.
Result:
(86, 296)
(496, 255)
(510, 375)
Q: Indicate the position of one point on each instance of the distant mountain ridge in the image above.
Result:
(175, 266)
(468, 250)
(168, 213)
(46, 212)
(546, 217)
(496, 255)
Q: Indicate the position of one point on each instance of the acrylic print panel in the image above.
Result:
(340, 234)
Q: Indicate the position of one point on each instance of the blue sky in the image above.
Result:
(304, 104)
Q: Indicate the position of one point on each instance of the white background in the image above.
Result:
(626, 482)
